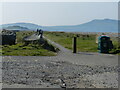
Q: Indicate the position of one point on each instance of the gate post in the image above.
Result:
(74, 44)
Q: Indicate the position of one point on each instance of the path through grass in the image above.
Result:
(85, 42)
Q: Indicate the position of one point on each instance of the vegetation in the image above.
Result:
(29, 49)
(85, 42)
(116, 49)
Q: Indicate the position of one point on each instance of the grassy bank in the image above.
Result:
(31, 49)
(85, 42)
(23, 50)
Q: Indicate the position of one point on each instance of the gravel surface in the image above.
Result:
(46, 73)
(66, 70)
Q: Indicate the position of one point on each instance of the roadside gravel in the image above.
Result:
(37, 72)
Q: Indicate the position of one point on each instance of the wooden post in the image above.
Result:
(74, 44)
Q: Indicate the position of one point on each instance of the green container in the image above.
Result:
(104, 44)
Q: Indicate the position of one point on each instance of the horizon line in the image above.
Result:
(60, 25)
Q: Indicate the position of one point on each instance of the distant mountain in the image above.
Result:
(106, 25)
(16, 28)
(29, 26)
(97, 25)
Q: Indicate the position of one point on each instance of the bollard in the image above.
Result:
(74, 44)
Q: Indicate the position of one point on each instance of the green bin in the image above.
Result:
(104, 44)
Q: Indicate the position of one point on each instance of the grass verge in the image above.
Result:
(31, 49)
(85, 42)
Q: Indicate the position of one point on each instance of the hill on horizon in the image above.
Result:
(97, 25)
(16, 28)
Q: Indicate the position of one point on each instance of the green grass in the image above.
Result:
(21, 49)
(29, 50)
(116, 49)
(85, 43)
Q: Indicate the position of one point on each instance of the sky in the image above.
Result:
(57, 13)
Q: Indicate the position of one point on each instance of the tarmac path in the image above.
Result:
(66, 64)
